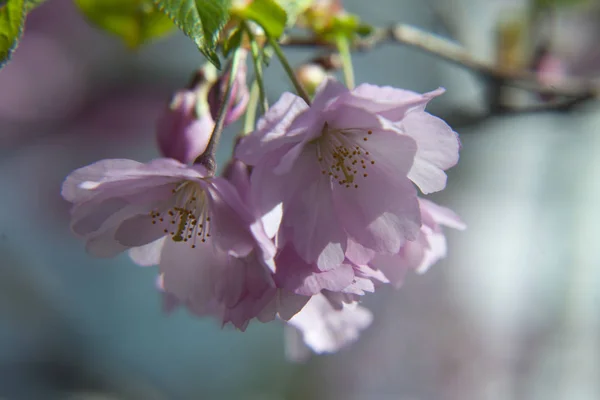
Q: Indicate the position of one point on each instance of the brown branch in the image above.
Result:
(576, 90)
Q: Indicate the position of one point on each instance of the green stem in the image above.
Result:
(208, 157)
(288, 69)
(343, 47)
(258, 70)
(250, 118)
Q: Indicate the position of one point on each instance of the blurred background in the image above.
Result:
(512, 313)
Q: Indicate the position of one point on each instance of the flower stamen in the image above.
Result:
(188, 218)
(340, 155)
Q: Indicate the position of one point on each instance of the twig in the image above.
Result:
(578, 89)
(208, 157)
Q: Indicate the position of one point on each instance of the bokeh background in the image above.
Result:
(512, 313)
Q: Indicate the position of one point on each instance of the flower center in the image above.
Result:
(188, 219)
(341, 155)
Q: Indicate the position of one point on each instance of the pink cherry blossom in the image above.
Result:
(212, 282)
(341, 169)
(119, 204)
(429, 248)
(324, 328)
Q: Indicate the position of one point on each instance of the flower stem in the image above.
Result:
(288, 69)
(208, 157)
(343, 47)
(257, 60)
(250, 118)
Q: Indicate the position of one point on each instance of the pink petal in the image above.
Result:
(317, 234)
(382, 211)
(74, 186)
(358, 254)
(327, 92)
(230, 219)
(271, 128)
(442, 215)
(181, 133)
(305, 279)
(285, 304)
(325, 329)
(437, 150)
(104, 245)
(187, 271)
(386, 101)
(434, 252)
(410, 256)
(138, 231)
(147, 255)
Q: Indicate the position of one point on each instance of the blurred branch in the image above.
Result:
(573, 91)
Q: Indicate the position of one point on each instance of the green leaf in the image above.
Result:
(201, 20)
(267, 13)
(134, 21)
(12, 19)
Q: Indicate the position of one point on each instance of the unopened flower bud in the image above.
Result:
(311, 76)
(239, 93)
(184, 130)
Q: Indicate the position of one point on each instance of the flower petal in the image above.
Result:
(358, 254)
(437, 150)
(285, 304)
(395, 266)
(75, 187)
(272, 129)
(442, 215)
(147, 255)
(382, 211)
(138, 231)
(230, 219)
(305, 279)
(316, 232)
(435, 251)
(328, 91)
(386, 101)
(325, 329)
(187, 271)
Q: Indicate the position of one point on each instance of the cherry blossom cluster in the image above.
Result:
(318, 206)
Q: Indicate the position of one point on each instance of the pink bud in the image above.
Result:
(239, 94)
(184, 130)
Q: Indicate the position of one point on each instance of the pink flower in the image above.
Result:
(184, 130)
(120, 204)
(210, 281)
(235, 290)
(429, 248)
(342, 169)
(324, 327)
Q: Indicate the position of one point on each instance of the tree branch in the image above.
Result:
(576, 90)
